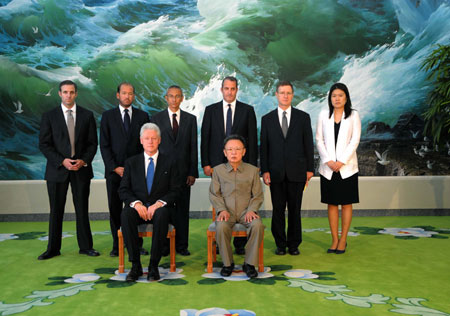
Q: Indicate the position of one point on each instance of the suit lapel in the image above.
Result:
(276, 122)
(237, 117)
(166, 124)
(343, 132)
(330, 135)
(218, 113)
(141, 171)
(119, 122)
(60, 119)
(160, 166)
(182, 124)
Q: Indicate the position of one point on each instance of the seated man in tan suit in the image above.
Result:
(236, 194)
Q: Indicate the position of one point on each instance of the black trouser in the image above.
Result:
(57, 194)
(130, 222)
(290, 194)
(115, 206)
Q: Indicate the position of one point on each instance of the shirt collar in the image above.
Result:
(65, 109)
(155, 157)
(229, 168)
(225, 103)
(121, 108)
(171, 113)
(288, 110)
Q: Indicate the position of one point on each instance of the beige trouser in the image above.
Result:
(255, 231)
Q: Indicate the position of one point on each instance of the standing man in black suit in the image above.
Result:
(119, 140)
(179, 139)
(68, 139)
(220, 120)
(287, 164)
(149, 189)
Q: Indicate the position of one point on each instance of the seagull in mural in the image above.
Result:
(35, 29)
(48, 94)
(430, 164)
(382, 158)
(18, 106)
(414, 134)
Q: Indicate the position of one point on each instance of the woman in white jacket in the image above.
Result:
(337, 137)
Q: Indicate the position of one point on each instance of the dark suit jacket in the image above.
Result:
(184, 147)
(115, 144)
(213, 133)
(292, 156)
(54, 143)
(165, 186)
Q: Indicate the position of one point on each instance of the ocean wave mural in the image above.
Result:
(375, 47)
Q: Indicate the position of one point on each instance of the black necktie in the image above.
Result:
(229, 121)
(126, 121)
(174, 125)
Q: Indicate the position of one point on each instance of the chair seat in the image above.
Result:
(144, 228)
(236, 228)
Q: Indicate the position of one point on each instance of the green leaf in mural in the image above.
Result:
(360, 301)
(68, 291)
(412, 306)
(10, 309)
(316, 287)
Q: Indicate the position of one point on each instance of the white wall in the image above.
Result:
(385, 193)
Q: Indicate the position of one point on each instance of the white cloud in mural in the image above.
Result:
(83, 277)
(300, 274)
(4, 237)
(164, 273)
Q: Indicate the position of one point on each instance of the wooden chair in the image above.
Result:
(239, 230)
(146, 230)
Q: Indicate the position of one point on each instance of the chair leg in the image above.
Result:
(214, 249)
(209, 267)
(121, 252)
(173, 267)
(261, 256)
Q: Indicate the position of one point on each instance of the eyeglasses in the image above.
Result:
(229, 150)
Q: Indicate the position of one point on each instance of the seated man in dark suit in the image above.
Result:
(149, 189)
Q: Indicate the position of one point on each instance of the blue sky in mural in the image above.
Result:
(375, 47)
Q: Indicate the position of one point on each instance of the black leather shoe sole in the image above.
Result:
(89, 252)
(250, 271)
(280, 251)
(47, 255)
(294, 252)
(226, 271)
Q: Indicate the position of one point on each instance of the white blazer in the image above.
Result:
(347, 142)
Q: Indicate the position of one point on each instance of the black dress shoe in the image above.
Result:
(250, 270)
(240, 251)
(280, 251)
(114, 253)
(135, 272)
(184, 252)
(294, 251)
(143, 252)
(153, 273)
(89, 252)
(47, 255)
(331, 250)
(226, 271)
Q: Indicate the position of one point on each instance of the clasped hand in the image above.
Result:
(335, 165)
(73, 164)
(146, 213)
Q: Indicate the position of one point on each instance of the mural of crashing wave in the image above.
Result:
(375, 47)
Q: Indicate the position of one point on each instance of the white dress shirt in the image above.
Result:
(225, 111)
(288, 115)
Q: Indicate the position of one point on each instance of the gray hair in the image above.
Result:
(152, 127)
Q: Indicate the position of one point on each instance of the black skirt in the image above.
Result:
(338, 191)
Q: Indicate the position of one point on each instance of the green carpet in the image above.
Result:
(380, 274)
